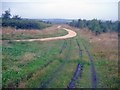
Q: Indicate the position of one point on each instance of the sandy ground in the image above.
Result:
(69, 35)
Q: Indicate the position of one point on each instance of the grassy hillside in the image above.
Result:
(52, 64)
(24, 23)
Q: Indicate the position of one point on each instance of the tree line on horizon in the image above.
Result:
(19, 23)
(95, 25)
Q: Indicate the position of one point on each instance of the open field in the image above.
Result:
(52, 64)
(13, 34)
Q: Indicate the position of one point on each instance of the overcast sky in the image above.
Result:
(69, 9)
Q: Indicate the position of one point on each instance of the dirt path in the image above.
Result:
(59, 69)
(77, 74)
(93, 71)
(69, 35)
(78, 71)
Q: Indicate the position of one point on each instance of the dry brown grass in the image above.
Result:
(28, 56)
(22, 85)
(12, 33)
(10, 30)
(105, 45)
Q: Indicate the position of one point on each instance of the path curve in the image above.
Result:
(69, 35)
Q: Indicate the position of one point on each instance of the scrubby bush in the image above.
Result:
(95, 25)
(17, 22)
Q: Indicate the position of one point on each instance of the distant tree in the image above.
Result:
(17, 17)
(80, 23)
(6, 15)
(73, 23)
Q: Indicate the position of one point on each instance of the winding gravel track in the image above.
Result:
(69, 35)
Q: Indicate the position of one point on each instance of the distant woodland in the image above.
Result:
(96, 26)
(20, 23)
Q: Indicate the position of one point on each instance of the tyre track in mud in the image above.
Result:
(30, 74)
(80, 50)
(46, 64)
(78, 71)
(77, 74)
(44, 84)
(93, 71)
(63, 46)
(49, 62)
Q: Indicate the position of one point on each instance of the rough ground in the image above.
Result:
(69, 35)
